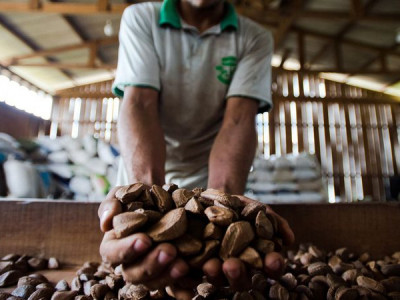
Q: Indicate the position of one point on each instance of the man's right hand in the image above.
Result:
(154, 267)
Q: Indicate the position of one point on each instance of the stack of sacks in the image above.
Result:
(80, 169)
(87, 166)
(287, 179)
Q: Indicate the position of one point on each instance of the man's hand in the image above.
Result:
(155, 268)
(234, 270)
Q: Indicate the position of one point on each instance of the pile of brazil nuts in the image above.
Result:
(310, 273)
(14, 266)
(201, 223)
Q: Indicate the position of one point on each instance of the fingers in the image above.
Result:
(283, 227)
(235, 272)
(274, 265)
(213, 270)
(180, 294)
(108, 209)
(175, 271)
(123, 250)
(152, 265)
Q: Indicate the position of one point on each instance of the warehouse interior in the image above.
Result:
(336, 87)
(327, 162)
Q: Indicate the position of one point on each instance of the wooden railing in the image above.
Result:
(354, 132)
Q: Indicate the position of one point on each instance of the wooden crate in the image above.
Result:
(70, 230)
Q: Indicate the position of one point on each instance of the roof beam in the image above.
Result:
(318, 55)
(62, 65)
(348, 42)
(68, 8)
(30, 43)
(285, 56)
(45, 52)
(301, 49)
(82, 35)
(293, 11)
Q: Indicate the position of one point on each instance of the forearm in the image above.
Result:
(232, 155)
(141, 140)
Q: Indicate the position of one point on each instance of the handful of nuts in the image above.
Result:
(201, 223)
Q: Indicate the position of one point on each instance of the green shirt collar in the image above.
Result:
(169, 15)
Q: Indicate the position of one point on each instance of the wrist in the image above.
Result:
(149, 178)
(226, 187)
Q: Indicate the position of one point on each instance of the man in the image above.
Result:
(192, 75)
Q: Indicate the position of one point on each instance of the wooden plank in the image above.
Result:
(354, 159)
(288, 127)
(370, 151)
(272, 125)
(301, 49)
(102, 5)
(338, 57)
(340, 176)
(346, 41)
(316, 117)
(285, 56)
(380, 154)
(387, 141)
(347, 155)
(305, 126)
(70, 230)
(278, 145)
(390, 113)
(300, 126)
(323, 158)
(59, 65)
(34, 4)
(56, 50)
(333, 146)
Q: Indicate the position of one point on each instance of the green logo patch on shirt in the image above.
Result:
(226, 69)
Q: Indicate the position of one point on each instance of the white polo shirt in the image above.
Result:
(195, 75)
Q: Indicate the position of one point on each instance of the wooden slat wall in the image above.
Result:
(80, 116)
(354, 133)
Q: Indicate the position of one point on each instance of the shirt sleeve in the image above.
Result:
(252, 77)
(137, 58)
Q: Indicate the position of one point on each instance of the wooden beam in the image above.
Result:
(102, 5)
(393, 82)
(301, 49)
(92, 55)
(382, 59)
(34, 4)
(285, 56)
(66, 65)
(45, 52)
(357, 8)
(82, 34)
(30, 43)
(372, 60)
(67, 8)
(338, 57)
(293, 11)
(349, 42)
(318, 55)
